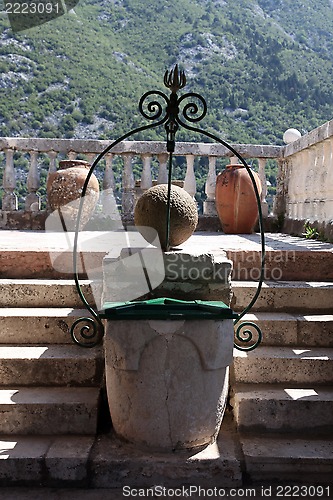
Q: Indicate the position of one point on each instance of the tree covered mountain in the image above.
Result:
(262, 65)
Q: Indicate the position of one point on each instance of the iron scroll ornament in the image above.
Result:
(89, 331)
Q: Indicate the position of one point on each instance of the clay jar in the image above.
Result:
(235, 199)
(64, 188)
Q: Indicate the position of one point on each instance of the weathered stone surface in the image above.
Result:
(22, 459)
(151, 370)
(140, 147)
(188, 275)
(67, 460)
(43, 293)
(284, 365)
(284, 296)
(106, 462)
(151, 211)
(277, 408)
(37, 325)
(50, 365)
(307, 460)
(117, 463)
(48, 410)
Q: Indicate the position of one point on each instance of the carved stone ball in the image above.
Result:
(151, 211)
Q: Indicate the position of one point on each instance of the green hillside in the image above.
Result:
(262, 65)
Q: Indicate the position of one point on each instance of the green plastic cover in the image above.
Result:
(166, 308)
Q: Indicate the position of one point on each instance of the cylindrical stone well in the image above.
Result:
(167, 380)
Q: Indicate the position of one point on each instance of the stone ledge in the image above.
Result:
(104, 462)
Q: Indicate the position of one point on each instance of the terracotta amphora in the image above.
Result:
(235, 199)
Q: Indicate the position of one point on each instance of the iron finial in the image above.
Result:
(175, 79)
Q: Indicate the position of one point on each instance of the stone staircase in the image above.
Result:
(50, 389)
(282, 392)
(54, 424)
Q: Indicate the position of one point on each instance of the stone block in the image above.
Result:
(276, 408)
(48, 410)
(51, 365)
(66, 460)
(182, 275)
(310, 366)
(116, 463)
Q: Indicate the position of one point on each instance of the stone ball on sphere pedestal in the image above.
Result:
(151, 211)
(291, 135)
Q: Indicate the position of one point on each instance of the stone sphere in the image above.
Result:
(151, 211)
(291, 135)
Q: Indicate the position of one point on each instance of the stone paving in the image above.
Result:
(40, 240)
(38, 253)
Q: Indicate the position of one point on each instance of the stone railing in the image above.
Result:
(305, 182)
(147, 154)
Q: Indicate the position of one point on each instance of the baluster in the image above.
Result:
(190, 182)
(324, 184)
(263, 180)
(128, 186)
(280, 204)
(9, 200)
(162, 171)
(210, 186)
(52, 168)
(90, 157)
(32, 201)
(318, 187)
(329, 183)
(309, 168)
(72, 155)
(108, 200)
(291, 186)
(296, 186)
(52, 165)
(146, 181)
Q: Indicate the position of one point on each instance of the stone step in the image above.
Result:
(289, 365)
(46, 365)
(286, 296)
(106, 462)
(44, 325)
(284, 408)
(43, 293)
(275, 459)
(48, 410)
(287, 258)
(303, 330)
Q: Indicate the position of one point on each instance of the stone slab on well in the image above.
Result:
(48, 410)
(284, 365)
(284, 408)
(51, 365)
(190, 275)
(305, 459)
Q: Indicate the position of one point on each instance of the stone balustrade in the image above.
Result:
(305, 182)
(151, 156)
